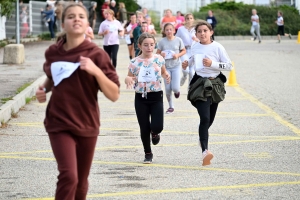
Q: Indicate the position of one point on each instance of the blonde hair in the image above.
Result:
(109, 11)
(187, 15)
(63, 35)
(121, 5)
(185, 19)
(139, 13)
(144, 36)
(168, 10)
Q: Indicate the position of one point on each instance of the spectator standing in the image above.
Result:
(49, 19)
(51, 3)
(113, 7)
(255, 26)
(122, 13)
(145, 12)
(212, 21)
(24, 19)
(280, 27)
(58, 13)
(109, 29)
(93, 15)
(104, 7)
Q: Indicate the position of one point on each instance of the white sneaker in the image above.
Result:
(182, 80)
(206, 157)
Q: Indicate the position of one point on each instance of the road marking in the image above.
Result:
(258, 155)
(168, 145)
(166, 166)
(269, 111)
(168, 118)
(180, 190)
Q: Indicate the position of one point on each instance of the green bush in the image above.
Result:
(45, 36)
(234, 18)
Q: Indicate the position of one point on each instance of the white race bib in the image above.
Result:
(198, 58)
(127, 39)
(169, 54)
(146, 75)
(209, 21)
(61, 70)
(112, 28)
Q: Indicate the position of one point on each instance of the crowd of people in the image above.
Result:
(187, 49)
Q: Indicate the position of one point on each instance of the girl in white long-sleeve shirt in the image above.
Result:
(209, 58)
(188, 35)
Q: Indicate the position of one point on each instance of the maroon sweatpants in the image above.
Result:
(74, 156)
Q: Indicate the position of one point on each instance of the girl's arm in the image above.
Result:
(165, 74)
(181, 53)
(109, 88)
(159, 52)
(224, 63)
(47, 12)
(43, 89)
(121, 32)
(129, 80)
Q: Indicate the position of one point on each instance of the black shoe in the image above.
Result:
(259, 41)
(148, 158)
(254, 38)
(155, 138)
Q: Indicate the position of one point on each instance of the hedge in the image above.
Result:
(234, 18)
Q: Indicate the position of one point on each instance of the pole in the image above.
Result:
(30, 17)
(17, 23)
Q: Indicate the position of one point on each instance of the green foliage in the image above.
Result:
(28, 100)
(23, 87)
(4, 100)
(226, 5)
(130, 5)
(45, 36)
(234, 18)
(3, 43)
(7, 7)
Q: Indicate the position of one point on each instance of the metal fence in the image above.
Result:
(35, 20)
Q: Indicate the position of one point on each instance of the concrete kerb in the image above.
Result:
(18, 101)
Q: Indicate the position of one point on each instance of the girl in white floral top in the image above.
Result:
(145, 74)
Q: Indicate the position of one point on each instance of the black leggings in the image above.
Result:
(207, 113)
(112, 51)
(150, 115)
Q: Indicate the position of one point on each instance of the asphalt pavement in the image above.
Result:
(255, 136)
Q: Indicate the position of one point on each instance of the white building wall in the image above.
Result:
(175, 5)
(2, 27)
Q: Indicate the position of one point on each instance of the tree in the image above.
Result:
(7, 7)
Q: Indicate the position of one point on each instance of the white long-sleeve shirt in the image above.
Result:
(186, 35)
(215, 52)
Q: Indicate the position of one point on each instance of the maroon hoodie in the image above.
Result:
(73, 104)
